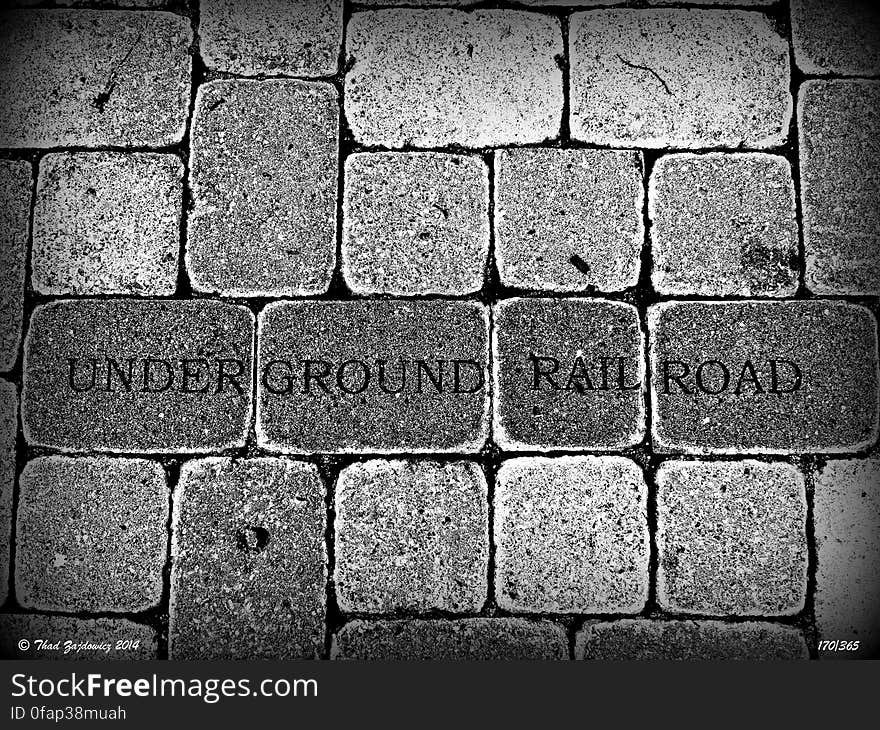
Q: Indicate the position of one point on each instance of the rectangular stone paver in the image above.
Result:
(465, 639)
(839, 128)
(15, 201)
(415, 223)
(638, 639)
(432, 78)
(373, 376)
(731, 538)
(272, 37)
(571, 535)
(568, 374)
(829, 36)
(138, 376)
(411, 535)
(92, 78)
(8, 431)
(264, 168)
(91, 534)
(846, 516)
(678, 78)
(249, 570)
(107, 223)
(568, 220)
(99, 639)
(763, 377)
(723, 224)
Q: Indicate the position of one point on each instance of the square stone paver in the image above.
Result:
(415, 223)
(568, 374)
(411, 535)
(107, 223)
(571, 535)
(568, 220)
(91, 534)
(731, 538)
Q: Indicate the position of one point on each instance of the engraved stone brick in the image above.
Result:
(763, 377)
(431, 78)
(415, 223)
(839, 127)
(846, 518)
(569, 374)
(830, 36)
(465, 639)
(107, 223)
(723, 224)
(571, 535)
(249, 562)
(91, 78)
(15, 201)
(638, 639)
(411, 535)
(264, 170)
(8, 429)
(91, 534)
(568, 220)
(77, 639)
(138, 376)
(271, 37)
(731, 538)
(373, 376)
(678, 78)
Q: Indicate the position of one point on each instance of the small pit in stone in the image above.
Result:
(580, 264)
(252, 539)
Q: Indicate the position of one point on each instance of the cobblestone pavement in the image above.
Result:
(475, 329)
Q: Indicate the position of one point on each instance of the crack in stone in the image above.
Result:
(101, 99)
(648, 69)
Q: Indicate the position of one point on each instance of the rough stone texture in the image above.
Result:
(77, 639)
(415, 223)
(465, 639)
(830, 36)
(731, 538)
(723, 225)
(207, 346)
(833, 344)
(107, 223)
(112, 4)
(250, 38)
(598, 3)
(429, 78)
(568, 220)
(638, 639)
(15, 201)
(846, 516)
(264, 167)
(839, 128)
(8, 429)
(91, 78)
(582, 406)
(91, 534)
(571, 535)
(422, 3)
(376, 397)
(249, 570)
(411, 535)
(678, 78)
